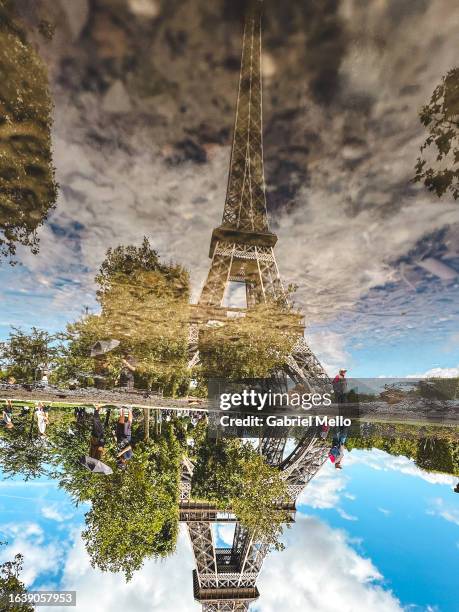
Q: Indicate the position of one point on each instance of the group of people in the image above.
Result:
(41, 414)
(123, 434)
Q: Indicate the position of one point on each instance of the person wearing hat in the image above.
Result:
(340, 386)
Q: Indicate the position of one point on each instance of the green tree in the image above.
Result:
(238, 479)
(437, 455)
(134, 512)
(24, 353)
(432, 448)
(74, 361)
(23, 452)
(10, 584)
(439, 389)
(27, 188)
(250, 346)
(440, 171)
(258, 503)
(144, 305)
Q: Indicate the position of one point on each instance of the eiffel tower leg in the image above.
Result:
(304, 463)
(270, 282)
(217, 278)
(252, 294)
(272, 446)
(304, 367)
(251, 555)
(202, 541)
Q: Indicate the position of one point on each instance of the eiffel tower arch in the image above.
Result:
(242, 246)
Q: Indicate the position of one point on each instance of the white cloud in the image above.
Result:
(164, 586)
(452, 372)
(325, 489)
(440, 508)
(41, 557)
(329, 346)
(52, 512)
(319, 570)
(347, 517)
(225, 531)
(377, 459)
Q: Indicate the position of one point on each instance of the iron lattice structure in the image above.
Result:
(242, 247)
(225, 578)
(242, 250)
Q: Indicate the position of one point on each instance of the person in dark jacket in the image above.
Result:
(97, 436)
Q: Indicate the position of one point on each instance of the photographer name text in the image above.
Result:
(283, 421)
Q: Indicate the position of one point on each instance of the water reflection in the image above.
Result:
(144, 471)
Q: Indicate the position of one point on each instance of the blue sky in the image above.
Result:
(416, 354)
(397, 519)
(381, 532)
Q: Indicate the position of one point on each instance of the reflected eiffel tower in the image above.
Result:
(242, 247)
(225, 578)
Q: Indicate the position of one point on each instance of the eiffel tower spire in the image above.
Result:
(244, 216)
(242, 247)
(245, 206)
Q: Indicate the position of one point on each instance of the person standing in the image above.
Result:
(336, 453)
(97, 436)
(123, 437)
(127, 372)
(7, 417)
(42, 419)
(340, 386)
(124, 426)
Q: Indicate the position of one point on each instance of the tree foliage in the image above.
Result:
(432, 448)
(24, 353)
(27, 188)
(237, 478)
(250, 346)
(438, 165)
(144, 305)
(256, 504)
(134, 512)
(10, 583)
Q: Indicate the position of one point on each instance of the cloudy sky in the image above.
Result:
(348, 550)
(144, 94)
